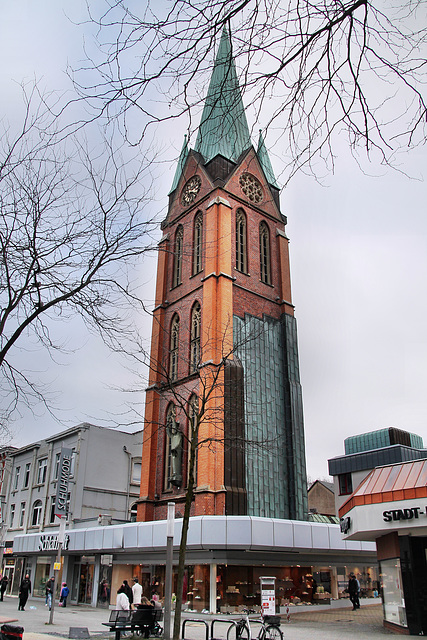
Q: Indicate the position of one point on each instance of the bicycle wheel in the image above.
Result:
(273, 633)
(239, 632)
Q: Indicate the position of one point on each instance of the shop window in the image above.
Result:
(196, 320)
(345, 484)
(37, 513)
(264, 253)
(241, 250)
(22, 514)
(27, 475)
(174, 346)
(392, 590)
(197, 243)
(41, 471)
(16, 478)
(178, 250)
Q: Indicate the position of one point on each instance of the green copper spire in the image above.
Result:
(264, 160)
(181, 162)
(223, 127)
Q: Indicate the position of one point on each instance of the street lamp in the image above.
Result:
(169, 568)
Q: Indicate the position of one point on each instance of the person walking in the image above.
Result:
(136, 592)
(353, 590)
(3, 586)
(49, 592)
(64, 594)
(24, 591)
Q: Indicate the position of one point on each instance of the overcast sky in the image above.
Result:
(358, 268)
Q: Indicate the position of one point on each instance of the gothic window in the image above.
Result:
(196, 319)
(178, 249)
(264, 252)
(241, 250)
(170, 423)
(197, 243)
(173, 351)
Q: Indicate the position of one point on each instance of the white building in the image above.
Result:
(103, 489)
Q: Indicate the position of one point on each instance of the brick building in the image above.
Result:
(223, 308)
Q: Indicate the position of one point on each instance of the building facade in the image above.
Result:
(390, 508)
(366, 451)
(224, 331)
(103, 489)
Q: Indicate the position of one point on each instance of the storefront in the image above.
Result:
(390, 508)
(225, 558)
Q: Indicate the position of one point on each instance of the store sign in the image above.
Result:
(63, 477)
(394, 515)
(49, 542)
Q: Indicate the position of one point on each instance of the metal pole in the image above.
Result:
(57, 565)
(169, 569)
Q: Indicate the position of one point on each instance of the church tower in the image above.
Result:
(223, 295)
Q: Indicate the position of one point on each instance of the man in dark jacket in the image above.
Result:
(3, 586)
(353, 590)
(24, 591)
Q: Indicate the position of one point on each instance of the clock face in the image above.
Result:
(251, 187)
(190, 190)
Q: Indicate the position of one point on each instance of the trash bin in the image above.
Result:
(11, 632)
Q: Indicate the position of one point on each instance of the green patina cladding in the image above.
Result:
(223, 128)
(275, 453)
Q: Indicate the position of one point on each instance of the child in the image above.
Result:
(64, 594)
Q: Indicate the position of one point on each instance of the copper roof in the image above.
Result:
(404, 481)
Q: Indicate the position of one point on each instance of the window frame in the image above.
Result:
(197, 244)
(170, 416)
(41, 470)
(264, 252)
(177, 254)
(22, 514)
(37, 513)
(345, 484)
(195, 335)
(27, 474)
(12, 514)
(174, 348)
(16, 478)
(241, 241)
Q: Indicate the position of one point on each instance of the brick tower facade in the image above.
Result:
(223, 307)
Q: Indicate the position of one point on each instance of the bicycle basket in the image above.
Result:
(274, 620)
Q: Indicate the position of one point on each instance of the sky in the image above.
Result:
(358, 268)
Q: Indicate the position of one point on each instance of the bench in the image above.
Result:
(145, 621)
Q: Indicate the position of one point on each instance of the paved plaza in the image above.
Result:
(337, 622)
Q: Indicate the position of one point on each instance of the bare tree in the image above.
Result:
(73, 225)
(315, 70)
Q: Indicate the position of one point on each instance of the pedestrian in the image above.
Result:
(24, 591)
(128, 591)
(64, 594)
(122, 603)
(3, 585)
(49, 592)
(353, 590)
(136, 592)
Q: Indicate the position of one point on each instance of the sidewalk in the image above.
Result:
(325, 622)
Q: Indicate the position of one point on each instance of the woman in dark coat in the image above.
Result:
(128, 591)
(24, 591)
(3, 586)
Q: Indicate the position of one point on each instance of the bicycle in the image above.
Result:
(269, 629)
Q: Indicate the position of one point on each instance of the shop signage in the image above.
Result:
(63, 477)
(392, 515)
(49, 542)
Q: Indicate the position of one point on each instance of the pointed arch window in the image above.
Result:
(264, 253)
(173, 351)
(178, 250)
(197, 243)
(170, 424)
(193, 407)
(196, 320)
(241, 248)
